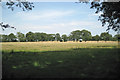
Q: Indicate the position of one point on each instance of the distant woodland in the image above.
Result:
(77, 35)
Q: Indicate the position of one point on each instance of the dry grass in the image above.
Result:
(53, 46)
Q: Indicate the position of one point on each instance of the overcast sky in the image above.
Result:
(53, 17)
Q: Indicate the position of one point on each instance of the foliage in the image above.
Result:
(23, 4)
(3, 26)
(110, 14)
(30, 36)
(106, 36)
(0, 38)
(117, 37)
(21, 37)
(57, 37)
(86, 35)
(76, 35)
(64, 37)
(50, 37)
(4, 38)
(43, 36)
(96, 38)
(12, 37)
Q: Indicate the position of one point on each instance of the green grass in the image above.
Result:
(97, 61)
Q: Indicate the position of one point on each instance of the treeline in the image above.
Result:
(77, 35)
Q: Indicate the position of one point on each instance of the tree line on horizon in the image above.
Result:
(77, 35)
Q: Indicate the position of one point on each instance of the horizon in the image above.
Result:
(55, 33)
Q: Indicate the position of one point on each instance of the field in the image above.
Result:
(60, 59)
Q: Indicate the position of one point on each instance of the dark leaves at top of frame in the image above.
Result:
(23, 5)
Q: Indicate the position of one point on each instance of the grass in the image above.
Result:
(60, 60)
(54, 46)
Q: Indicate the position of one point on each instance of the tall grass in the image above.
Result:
(53, 46)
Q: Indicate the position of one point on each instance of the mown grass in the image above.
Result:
(61, 60)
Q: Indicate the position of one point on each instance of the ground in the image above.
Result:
(89, 59)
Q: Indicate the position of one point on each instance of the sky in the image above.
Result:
(52, 18)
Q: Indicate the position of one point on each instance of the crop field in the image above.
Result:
(60, 59)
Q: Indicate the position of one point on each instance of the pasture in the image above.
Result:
(60, 59)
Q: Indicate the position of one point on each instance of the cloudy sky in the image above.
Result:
(53, 17)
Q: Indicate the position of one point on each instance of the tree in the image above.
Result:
(51, 37)
(64, 37)
(21, 37)
(110, 14)
(40, 36)
(3, 26)
(30, 36)
(43, 37)
(96, 38)
(106, 36)
(4, 38)
(37, 36)
(116, 37)
(57, 37)
(23, 4)
(86, 35)
(75, 35)
(70, 38)
(12, 37)
(110, 10)
(0, 38)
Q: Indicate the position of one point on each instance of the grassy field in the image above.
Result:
(53, 46)
(60, 59)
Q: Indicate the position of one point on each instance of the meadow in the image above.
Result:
(89, 59)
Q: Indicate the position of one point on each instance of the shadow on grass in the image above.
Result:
(74, 63)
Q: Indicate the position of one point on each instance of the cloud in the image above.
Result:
(62, 27)
(82, 23)
(65, 24)
(39, 15)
